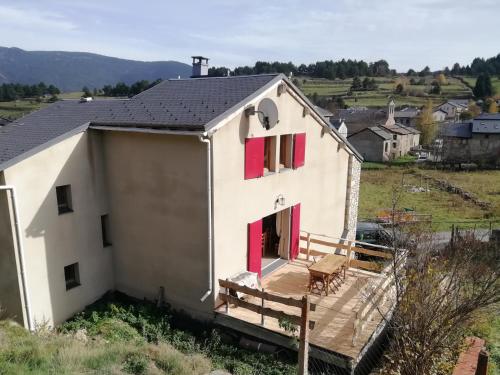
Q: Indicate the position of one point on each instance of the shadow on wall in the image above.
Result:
(70, 237)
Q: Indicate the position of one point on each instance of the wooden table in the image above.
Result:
(326, 268)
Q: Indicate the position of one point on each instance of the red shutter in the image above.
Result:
(255, 247)
(295, 232)
(254, 157)
(299, 149)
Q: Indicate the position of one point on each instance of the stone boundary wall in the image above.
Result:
(450, 188)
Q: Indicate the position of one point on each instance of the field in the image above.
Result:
(19, 108)
(378, 187)
(378, 98)
(495, 81)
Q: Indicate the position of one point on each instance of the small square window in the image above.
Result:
(394, 145)
(394, 136)
(286, 151)
(72, 276)
(64, 203)
(105, 231)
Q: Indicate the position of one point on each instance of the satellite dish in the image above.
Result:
(268, 113)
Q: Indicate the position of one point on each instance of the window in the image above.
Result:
(105, 231)
(285, 151)
(394, 145)
(72, 276)
(269, 154)
(386, 146)
(395, 136)
(64, 204)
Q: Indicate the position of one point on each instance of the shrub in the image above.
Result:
(135, 364)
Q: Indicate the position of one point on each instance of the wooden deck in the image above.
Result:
(335, 315)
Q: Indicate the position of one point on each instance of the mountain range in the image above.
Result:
(70, 71)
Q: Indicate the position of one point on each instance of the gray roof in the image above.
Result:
(400, 129)
(407, 112)
(488, 116)
(192, 105)
(4, 121)
(182, 104)
(323, 112)
(457, 129)
(377, 130)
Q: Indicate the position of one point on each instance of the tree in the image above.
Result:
(399, 89)
(435, 88)
(473, 110)
(441, 79)
(356, 84)
(86, 92)
(492, 106)
(424, 72)
(437, 296)
(426, 124)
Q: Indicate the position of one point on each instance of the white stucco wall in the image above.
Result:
(158, 199)
(320, 186)
(53, 241)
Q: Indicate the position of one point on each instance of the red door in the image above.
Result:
(295, 232)
(255, 247)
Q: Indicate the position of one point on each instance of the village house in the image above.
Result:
(476, 141)
(439, 115)
(407, 116)
(453, 108)
(163, 195)
(386, 141)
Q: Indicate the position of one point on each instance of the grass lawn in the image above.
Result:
(378, 185)
(71, 95)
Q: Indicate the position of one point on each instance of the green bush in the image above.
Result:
(136, 364)
(163, 326)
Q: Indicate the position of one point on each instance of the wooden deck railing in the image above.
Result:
(302, 320)
(349, 248)
(377, 296)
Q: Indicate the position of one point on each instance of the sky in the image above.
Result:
(406, 33)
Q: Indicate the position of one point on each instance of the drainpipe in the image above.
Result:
(20, 254)
(207, 140)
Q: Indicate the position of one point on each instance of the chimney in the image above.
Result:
(200, 66)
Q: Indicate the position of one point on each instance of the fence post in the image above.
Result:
(349, 243)
(304, 337)
(308, 244)
(227, 299)
(262, 314)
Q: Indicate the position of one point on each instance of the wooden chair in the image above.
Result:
(317, 283)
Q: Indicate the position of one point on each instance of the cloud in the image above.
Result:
(33, 19)
(406, 33)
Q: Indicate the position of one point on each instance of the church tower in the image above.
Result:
(390, 113)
